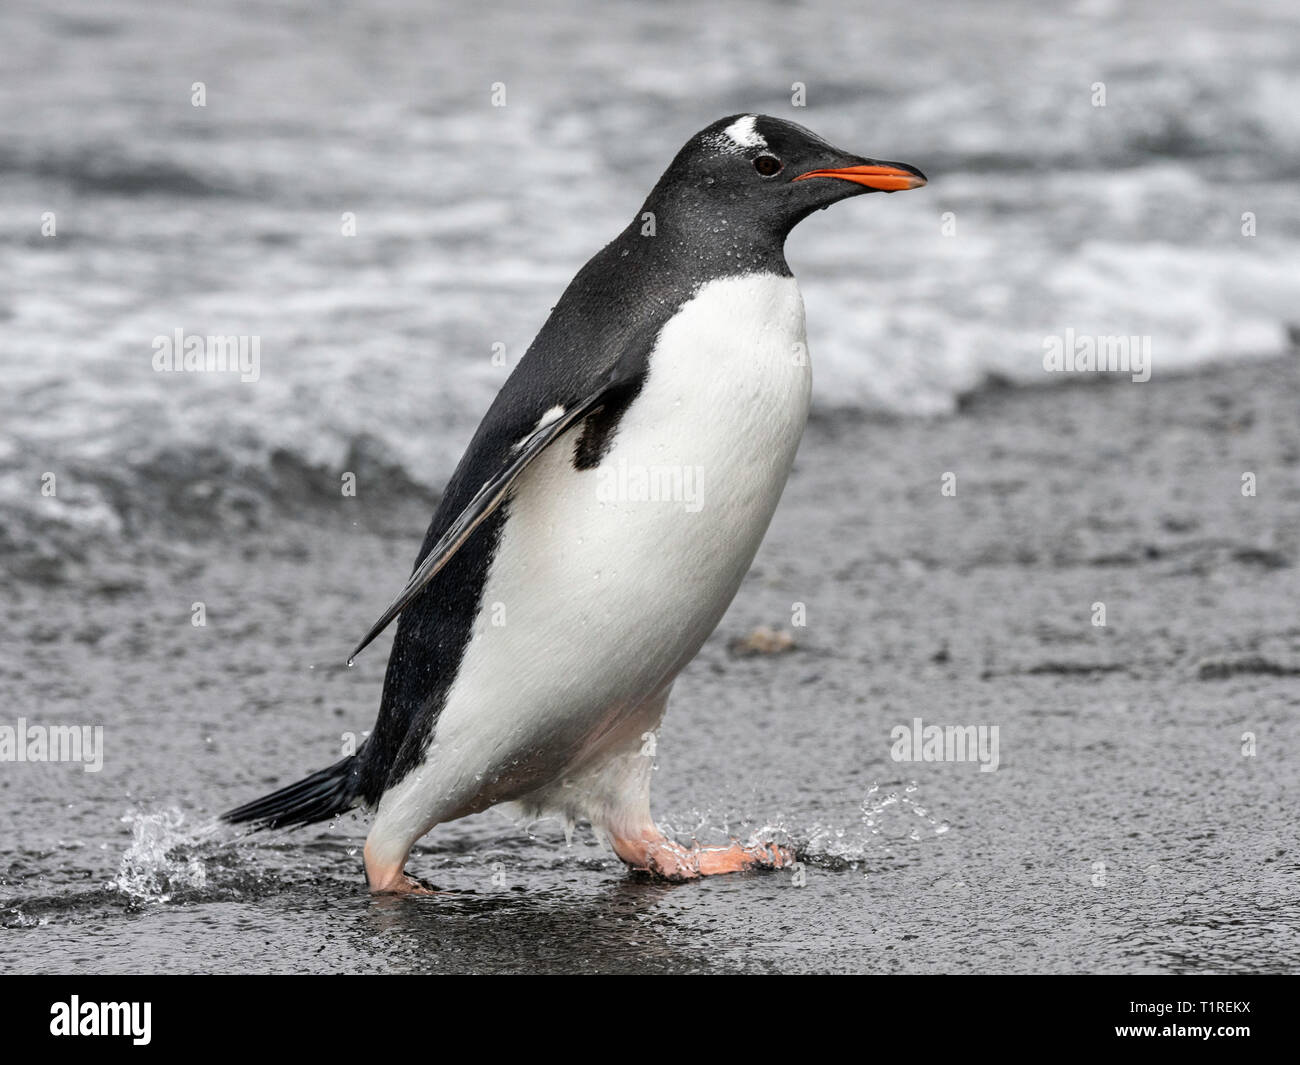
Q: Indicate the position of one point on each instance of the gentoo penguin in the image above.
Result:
(602, 519)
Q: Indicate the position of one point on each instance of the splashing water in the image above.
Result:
(155, 866)
(889, 817)
(15, 918)
(710, 829)
(874, 815)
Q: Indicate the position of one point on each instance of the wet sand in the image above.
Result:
(1123, 831)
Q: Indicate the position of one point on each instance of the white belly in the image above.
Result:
(607, 581)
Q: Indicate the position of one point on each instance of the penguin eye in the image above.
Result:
(767, 165)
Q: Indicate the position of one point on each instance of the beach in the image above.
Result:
(1140, 818)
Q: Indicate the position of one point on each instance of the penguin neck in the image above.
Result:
(705, 238)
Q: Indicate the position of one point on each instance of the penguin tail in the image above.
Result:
(319, 797)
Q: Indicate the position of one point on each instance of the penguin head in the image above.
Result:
(761, 171)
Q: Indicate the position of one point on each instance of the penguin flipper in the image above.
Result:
(481, 506)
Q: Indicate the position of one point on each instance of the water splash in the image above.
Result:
(707, 828)
(890, 818)
(876, 816)
(157, 864)
(15, 918)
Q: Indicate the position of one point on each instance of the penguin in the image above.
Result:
(601, 521)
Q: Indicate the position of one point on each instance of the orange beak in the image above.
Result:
(887, 177)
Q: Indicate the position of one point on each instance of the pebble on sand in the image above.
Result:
(762, 641)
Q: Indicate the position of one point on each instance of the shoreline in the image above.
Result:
(1120, 744)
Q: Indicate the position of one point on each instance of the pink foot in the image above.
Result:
(736, 857)
(403, 885)
(662, 857)
(388, 878)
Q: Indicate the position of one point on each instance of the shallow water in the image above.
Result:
(1123, 831)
